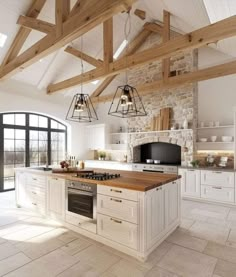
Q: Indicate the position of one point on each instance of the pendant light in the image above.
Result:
(126, 100)
(81, 108)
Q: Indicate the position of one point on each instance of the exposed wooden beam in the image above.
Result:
(134, 45)
(166, 37)
(108, 42)
(35, 24)
(59, 17)
(154, 27)
(214, 32)
(180, 80)
(23, 33)
(140, 13)
(65, 10)
(71, 50)
(75, 26)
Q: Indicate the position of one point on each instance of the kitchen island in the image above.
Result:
(133, 213)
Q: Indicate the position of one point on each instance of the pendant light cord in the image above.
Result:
(82, 64)
(127, 31)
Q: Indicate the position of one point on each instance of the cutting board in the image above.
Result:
(165, 118)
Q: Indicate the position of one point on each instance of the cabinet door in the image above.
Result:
(21, 193)
(217, 178)
(217, 193)
(190, 182)
(172, 204)
(96, 135)
(120, 231)
(155, 205)
(56, 197)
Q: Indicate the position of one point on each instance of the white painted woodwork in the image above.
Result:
(217, 178)
(155, 215)
(190, 182)
(56, 197)
(118, 230)
(96, 136)
(119, 208)
(21, 196)
(118, 192)
(108, 165)
(217, 193)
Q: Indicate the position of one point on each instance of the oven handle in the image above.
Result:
(80, 192)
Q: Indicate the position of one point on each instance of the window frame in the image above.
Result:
(27, 129)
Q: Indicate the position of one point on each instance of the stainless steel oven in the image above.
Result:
(81, 200)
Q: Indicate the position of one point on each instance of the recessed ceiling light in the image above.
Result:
(3, 39)
(120, 49)
(95, 82)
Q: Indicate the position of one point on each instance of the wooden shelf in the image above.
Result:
(215, 127)
(163, 131)
(216, 142)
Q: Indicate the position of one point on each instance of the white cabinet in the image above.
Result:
(155, 204)
(190, 182)
(56, 197)
(118, 230)
(118, 192)
(162, 211)
(119, 208)
(217, 193)
(21, 194)
(97, 136)
(217, 178)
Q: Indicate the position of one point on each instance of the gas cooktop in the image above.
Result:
(98, 176)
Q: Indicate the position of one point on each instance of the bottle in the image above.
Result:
(185, 124)
(81, 165)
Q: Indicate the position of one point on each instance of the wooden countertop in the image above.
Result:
(139, 181)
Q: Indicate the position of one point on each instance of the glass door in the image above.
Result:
(14, 146)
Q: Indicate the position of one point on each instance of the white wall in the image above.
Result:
(216, 97)
(14, 101)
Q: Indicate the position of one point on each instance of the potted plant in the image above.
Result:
(101, 156)
(195, 163)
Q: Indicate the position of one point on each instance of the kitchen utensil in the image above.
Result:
(227, 138)
(213, 138)
(203, 139)
(217, 123)
(223, 161)
(165, 118)
(149, 161)
(211, 124)
(157, 161)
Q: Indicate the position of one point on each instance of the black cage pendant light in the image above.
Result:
(126, 101)
(81, 108)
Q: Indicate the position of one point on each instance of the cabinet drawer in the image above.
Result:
(217, 178)
(217, 193)
(118, 192)
(120, 208)
(36, 191)
(36, 180)
(118, 230)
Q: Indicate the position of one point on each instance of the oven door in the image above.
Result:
(80, 202)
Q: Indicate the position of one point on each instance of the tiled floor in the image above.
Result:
(204, 246)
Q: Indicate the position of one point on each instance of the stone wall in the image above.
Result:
(182, 100)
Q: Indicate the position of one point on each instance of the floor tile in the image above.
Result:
(186, 223)
(159, 272)
(210, 232)
(186, 262)
(75, 246)
(225, 269)
(223, 252)
(79, 270)
(49, 265)
(232, 236)
(126, 269)
(97, 258)
(13, 262)
(181, 238)
(7, 250)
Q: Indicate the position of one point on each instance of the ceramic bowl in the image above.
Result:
(213, 138)
(227, 138)
(203, 139)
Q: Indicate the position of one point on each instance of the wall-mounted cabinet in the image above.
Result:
(97, 136)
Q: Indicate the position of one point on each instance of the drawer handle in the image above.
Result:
(35, 179)
(55, 178)
(159, 188)
(191, 170)
(34, 204)
(116, 221)
(115, 190)
(217, 187)
(116, 200)
(33, 192)
(218, 172)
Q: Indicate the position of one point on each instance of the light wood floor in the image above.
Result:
(204, 245)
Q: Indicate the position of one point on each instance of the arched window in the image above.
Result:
(29, 139)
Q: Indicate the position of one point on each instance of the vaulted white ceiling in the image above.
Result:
(187, 15)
